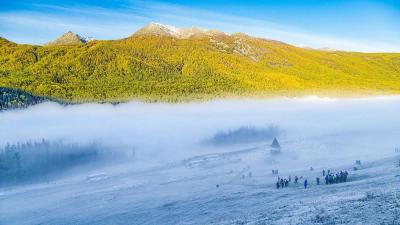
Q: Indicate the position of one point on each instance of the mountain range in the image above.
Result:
(164, 63)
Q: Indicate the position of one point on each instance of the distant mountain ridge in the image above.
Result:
(165, 63)
(69, 38)
(182, 33)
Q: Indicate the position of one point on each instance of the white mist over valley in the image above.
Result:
(200, 163)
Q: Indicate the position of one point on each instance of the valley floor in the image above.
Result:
(234, 187)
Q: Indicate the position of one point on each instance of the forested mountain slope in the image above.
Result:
(13, 99)
(162, 64)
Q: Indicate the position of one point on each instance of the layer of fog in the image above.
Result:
(245, 134)
(322, 129)
(44, 161)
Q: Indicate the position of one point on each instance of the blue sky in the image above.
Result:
(357, 25)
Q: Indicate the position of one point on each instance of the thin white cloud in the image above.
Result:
(265, 29)
(103, 23)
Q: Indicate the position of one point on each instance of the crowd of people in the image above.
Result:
(283, 182)
(330, 178)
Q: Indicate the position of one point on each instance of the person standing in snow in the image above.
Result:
(305, 184)
(277, 185)
(296, 179)
(345, 175)
(323, 172)
(317, 180)
(327, 179)
(341, 176)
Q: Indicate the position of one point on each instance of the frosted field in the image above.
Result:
(171, 173)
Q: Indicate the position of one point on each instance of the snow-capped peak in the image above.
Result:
(174, 31)
(168, 30)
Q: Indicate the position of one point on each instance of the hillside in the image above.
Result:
(13, 99)
(163, 63)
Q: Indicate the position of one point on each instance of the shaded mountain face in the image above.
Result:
(13, 99)
(68, 38)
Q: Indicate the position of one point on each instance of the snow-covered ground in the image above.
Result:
(176, 179)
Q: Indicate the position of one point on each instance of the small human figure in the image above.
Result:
(317, 180)
(345, 175)
(330, 179)
(305, 184)
(341, 177)
(323, 172)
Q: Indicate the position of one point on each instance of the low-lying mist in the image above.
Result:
(29, 161)
(161, 133)
(245, 134)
